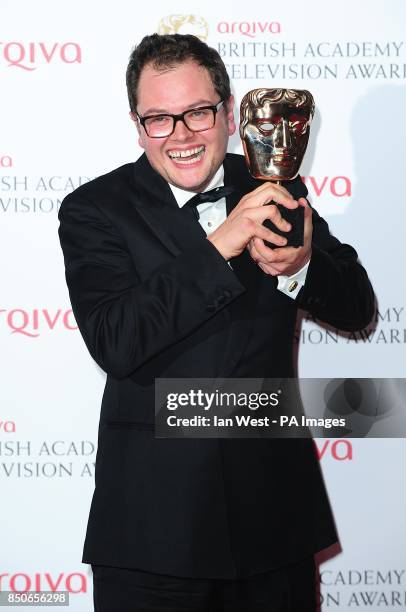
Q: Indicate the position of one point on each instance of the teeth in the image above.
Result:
(187, 153)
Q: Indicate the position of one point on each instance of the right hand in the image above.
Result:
(245, 220)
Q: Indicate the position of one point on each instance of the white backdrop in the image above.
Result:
(64, 119)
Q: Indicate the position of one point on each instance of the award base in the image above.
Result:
(295, 217)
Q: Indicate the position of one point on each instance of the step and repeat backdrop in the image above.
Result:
(64, 120)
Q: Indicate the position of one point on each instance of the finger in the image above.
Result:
(256, 256)
(275, 268)
(266, 193)
(274, 215)
(280, 196)
(263, 267)
(308, 218)
(268, 269)
(282, 256)
(263, 252)
(249, 246)
(253, 198)
(277, 256)
(271, 212)
(252, 250)
(261, 231)
(285, 199)
(270, 236)
(269, 186)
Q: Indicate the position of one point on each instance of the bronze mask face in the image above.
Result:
(275, 128)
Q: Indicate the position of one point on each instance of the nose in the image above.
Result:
(282, 137)
(181, 131)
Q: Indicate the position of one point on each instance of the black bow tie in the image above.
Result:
(207, 196)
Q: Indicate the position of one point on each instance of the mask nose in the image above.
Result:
(282, 135)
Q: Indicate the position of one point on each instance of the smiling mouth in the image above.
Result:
(187, 156)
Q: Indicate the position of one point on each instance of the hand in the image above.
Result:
(284, 260)
(245, 220)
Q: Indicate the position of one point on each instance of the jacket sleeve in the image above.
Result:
(126, 321)
(337, 290)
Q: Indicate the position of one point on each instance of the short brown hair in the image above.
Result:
(167, 50)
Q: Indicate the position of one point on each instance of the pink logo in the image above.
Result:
(74, 583)
(7, 426)
(6, 161)
(32, 322)
(339, 450)
(249, 28)
(337, 186)
(28, 56)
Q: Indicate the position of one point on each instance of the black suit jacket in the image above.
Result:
(154, 298)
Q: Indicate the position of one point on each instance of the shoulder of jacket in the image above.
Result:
(106, 183)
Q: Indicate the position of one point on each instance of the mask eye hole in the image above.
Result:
(266, 127)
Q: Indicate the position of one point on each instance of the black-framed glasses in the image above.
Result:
(195, 119)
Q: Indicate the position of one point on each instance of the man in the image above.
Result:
(198, 524)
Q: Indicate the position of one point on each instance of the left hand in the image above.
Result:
(284, 260)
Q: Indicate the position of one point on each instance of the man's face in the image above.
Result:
(275, 139)
(173, 91)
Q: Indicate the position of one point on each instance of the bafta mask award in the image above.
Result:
(275, 128)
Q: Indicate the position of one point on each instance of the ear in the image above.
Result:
(230, 116)
(137, 125)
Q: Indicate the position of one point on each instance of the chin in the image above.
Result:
(191, 183)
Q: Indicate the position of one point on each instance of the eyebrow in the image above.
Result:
(163, 111)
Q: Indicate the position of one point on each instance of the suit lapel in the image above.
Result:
(157, 206)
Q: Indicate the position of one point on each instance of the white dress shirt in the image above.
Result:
(212, 214)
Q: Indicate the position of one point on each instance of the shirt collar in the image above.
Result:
(181, 196)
